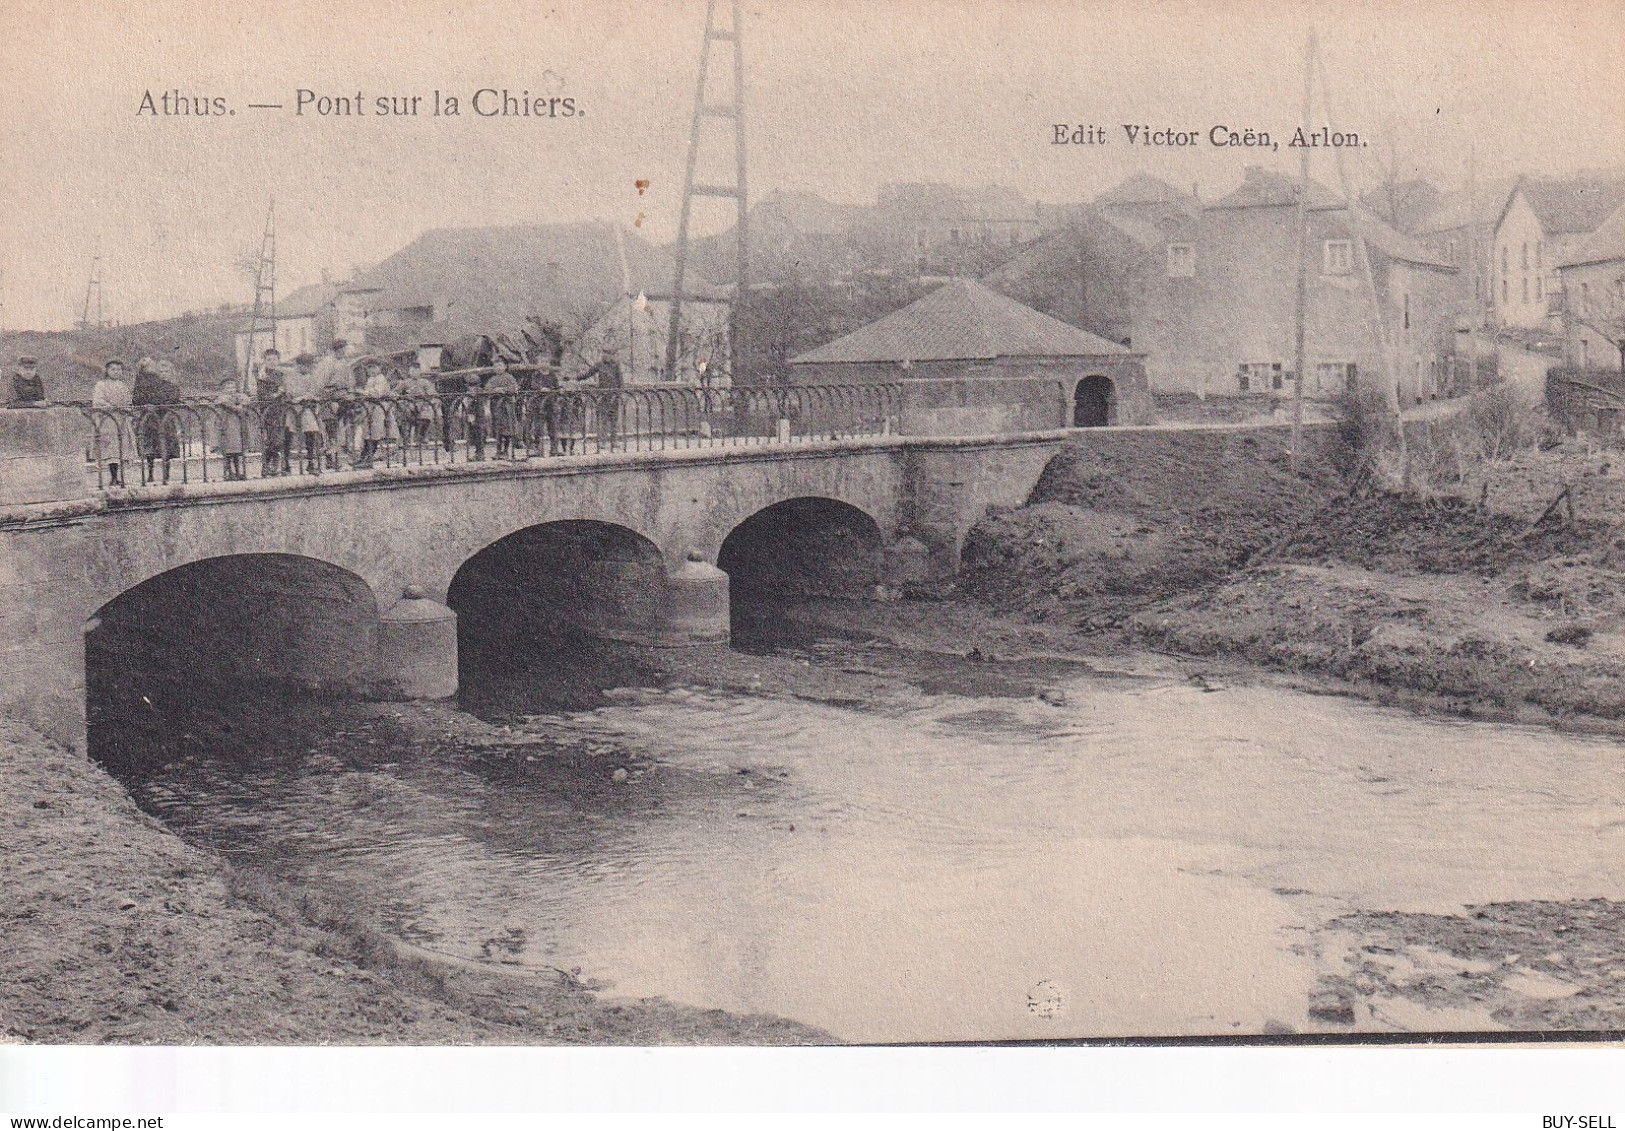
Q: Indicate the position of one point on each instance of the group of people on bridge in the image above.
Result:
(327, 413)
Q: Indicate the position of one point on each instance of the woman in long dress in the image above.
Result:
(117, 428)
(232, 419)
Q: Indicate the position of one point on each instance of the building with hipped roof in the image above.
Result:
(973, 361)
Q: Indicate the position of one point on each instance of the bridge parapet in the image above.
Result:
(42, 456)
(237, 439)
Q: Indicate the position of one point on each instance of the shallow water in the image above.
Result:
(1134, 857)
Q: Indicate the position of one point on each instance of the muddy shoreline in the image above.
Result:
(120, 932)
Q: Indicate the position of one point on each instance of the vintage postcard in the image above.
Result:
(811, 522)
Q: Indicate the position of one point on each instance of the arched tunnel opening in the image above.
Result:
(792, 552)
(545, 616)
(225, 654)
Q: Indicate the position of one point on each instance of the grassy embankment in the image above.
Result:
(1478, 597)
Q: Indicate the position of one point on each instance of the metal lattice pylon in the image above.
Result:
(93, 292)
(732, 111)
(264, 297)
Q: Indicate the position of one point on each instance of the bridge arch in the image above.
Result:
(211, 627)
(808, 546)
(534, 606)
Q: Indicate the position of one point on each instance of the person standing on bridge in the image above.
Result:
(607, 376)
(502, 400)
(27, 386)
(159, 432)
(422, 410)
(304, 410)
(270, 412)
(111, 395)
(336, 385)
(377, 424)
(233, 408)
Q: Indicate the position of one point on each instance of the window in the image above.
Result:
(1260, 375)
(1525, 263)
(1526, 288)
(1504, 296)
(1406, 299)
(1540, 252)
(1503, 259)
(1452, 253)
(1585, 353)
(1585, 298)
(1337, 257)
(1335, 377)
(1540, 288)
(1181, 261)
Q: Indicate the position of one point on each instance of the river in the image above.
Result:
(1129, 854)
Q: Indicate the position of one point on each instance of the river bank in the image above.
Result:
(117, 931)
(1484, 601)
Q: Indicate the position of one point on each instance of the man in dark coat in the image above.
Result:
(606, 376)
(159, 437)
(27, 386)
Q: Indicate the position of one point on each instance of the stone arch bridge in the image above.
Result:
(391, 544)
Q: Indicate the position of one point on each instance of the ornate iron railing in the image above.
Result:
(207, 441)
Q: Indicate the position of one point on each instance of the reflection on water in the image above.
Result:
(1127, 858)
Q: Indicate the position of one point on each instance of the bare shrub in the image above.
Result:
(1441, 452)
(1365, 428)
(1503, 420)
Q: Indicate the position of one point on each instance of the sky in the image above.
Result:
(842, 97)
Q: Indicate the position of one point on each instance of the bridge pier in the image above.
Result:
(647, 603)
(698, 609)
(416, 649)
(948, 488)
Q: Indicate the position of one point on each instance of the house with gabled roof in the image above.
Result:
(1224, 322)
(1593, 298)
(1207, 293)
(974, 361)
(1461, 228)
(1542, 224)
(1099, 271)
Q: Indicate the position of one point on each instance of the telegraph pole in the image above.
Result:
(1303, 253)
(264, 297)
(93, 292)
(731, 110)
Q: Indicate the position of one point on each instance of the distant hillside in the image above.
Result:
(912, 230)
(200, 345)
